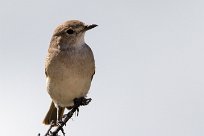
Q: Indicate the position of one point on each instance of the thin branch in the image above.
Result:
(77, 103)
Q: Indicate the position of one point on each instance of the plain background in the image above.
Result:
(149, 66)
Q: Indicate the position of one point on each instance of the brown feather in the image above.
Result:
(52, 115)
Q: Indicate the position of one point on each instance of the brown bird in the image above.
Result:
(69, 67)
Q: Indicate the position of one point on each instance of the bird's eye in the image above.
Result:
(70, 31)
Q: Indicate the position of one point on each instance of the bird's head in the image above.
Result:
(71, 33)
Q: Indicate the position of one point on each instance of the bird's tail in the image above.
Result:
(51, 115)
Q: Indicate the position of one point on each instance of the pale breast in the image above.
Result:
(69, 74)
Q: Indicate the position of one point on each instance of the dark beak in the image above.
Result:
(88, 27)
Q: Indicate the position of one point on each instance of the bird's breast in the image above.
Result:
(70, 63)
(69, 75)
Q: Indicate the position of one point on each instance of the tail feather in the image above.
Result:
(51, 115)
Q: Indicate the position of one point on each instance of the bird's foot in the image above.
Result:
(59, 124)
(85, 101)
(81, 102)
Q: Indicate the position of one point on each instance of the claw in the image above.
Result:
(64, 116)
(59, 123)
(81, 102)
(85, 101)
(77, 111)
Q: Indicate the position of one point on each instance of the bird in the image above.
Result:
(69, 68)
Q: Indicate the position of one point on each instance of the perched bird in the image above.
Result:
(69, 67)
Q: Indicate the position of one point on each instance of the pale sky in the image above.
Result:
(149, 56)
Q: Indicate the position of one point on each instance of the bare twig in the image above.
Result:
(77, 103)
(49, 130)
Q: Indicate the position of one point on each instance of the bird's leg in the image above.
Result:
(60, 112)
(77, 103)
